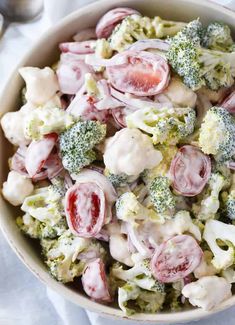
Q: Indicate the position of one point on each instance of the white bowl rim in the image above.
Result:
(43, 276)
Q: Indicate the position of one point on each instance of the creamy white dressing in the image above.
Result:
(130, 152)
(17, 188)
(41, 84)
(207, 292)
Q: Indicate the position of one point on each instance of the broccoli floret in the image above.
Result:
(230, 205)
(217, 36)
(167, 126)
(161, 195)
(218, 126)
(193, 31)
(103, 49)
(78, 142)
(135, 27)
(129, 209)
(44, 214)
(118, 180)
(199, 66)
(142, 300)
(61, 256)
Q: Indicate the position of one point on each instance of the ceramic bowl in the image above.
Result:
(45, 52)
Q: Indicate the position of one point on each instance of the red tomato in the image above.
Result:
(176, 258)
(144, 74)
(229, 103)
(190, 170)
(38, 152)
(85, 207)
(113, 17)
(94, 281)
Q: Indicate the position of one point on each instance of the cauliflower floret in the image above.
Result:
(16, 188)
(118, 245)
(129, 209)
(140, 274)
(180, 94)
(162, 169)
(207, 292)
(210, 205)
(130, 152)
(13, 125)
(61, 256)
(215, 230)
(218, 126)
(44, 120)
(41, 84)
(205, 268)
(44, 205)
(166, 125)
(181, 223)
(229, 274)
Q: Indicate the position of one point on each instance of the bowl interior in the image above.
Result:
(46, 53)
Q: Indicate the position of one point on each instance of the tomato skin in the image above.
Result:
(144, 74)
(229, 103)
(85, 207)
(190, 170)
(38, 152)
(109, 20)
(94, 281)
(176, 258)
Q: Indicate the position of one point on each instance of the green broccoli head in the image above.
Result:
(167, 126)
(134, 28)
(161, 195)
(61, 256)
(218, 126)
(193, 31)
(78, 142)
(230, 205)
(34, 228)
(199, 66)
(217, 36)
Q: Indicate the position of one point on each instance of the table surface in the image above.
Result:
(23, 299)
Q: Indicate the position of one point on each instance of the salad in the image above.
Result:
(124, 162)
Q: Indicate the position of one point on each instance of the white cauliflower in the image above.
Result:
(205, 268)
(41, 84)
(44, 120)
(44, 205)
(61, 255)
(211, 203)
(13, 125)
(17, 188)
(207, 292)
(180, 94)
(217, 230)
(129, 209)
(130, 152)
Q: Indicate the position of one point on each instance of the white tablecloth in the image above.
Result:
(23, 299)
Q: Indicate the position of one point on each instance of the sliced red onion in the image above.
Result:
(87, 175)
(85, 47)
(85, 34)
(110, 19)
(138, 241)
(231, 165)
(71, 73)
(135, 102)
(145, 44)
